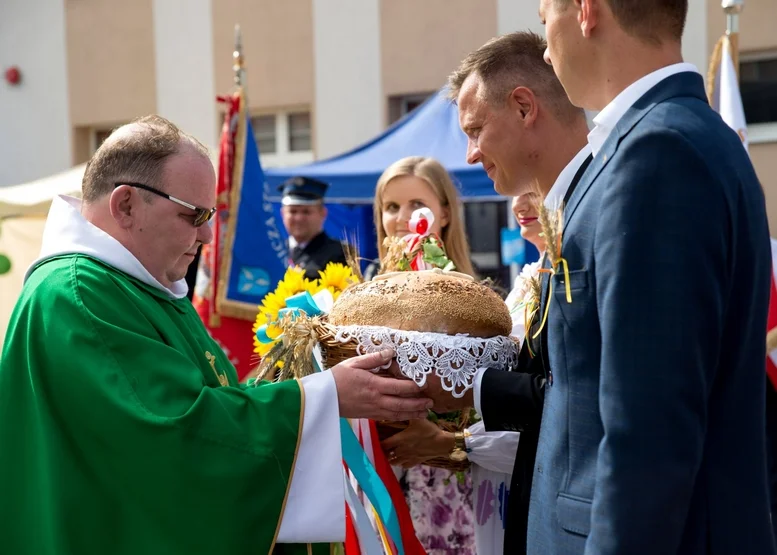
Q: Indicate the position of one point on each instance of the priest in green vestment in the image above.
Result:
(123, 428)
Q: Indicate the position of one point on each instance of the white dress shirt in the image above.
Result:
(606, 120)
(293, 243)
(559, 189)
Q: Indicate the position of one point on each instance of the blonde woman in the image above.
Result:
(440, 504)
(417, 182)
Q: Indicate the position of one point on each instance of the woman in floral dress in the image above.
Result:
(449, 514)
(442, 503)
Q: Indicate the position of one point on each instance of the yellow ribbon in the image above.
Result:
(547, 306)
(383, 535)
(563, 262)
(567, 287)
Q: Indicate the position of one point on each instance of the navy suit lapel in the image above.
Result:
(680, 84)
(594, 169)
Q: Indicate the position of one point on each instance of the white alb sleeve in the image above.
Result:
(315, 506)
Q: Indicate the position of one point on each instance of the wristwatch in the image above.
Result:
(460, 450)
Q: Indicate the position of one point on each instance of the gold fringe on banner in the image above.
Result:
(712, 71)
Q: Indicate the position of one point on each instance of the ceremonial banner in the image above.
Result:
(235, 275)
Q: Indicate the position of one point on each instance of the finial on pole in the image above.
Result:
(237, 57)
(732, 9)
(730, 6)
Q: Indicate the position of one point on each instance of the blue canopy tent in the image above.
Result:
(432, 130)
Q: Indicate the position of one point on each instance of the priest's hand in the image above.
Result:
(362, 393)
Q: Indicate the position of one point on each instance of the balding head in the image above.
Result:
(135, 152)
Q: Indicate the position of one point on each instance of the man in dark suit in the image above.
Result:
(531, 140)
(652, 438)
(304, 214)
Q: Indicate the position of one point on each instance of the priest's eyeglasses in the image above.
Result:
(202, 215)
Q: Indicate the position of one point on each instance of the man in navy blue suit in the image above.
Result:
(652, 437)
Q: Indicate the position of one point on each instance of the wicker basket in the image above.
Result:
(335, 351)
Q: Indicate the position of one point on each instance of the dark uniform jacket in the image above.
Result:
(319, 252)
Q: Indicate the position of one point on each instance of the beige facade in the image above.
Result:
(421, 42)
(110, 60)
(278, 46)
(322, 75)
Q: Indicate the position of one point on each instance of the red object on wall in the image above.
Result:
(13, 75)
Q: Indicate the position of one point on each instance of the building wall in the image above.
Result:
(111, 61)
(348, 105)
(518, 15)
(695, 36)
(93, 64)
(34, 119)
(422, 42)
(277, 48)
(183, 49)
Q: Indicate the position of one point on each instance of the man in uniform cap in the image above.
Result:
(303, 214)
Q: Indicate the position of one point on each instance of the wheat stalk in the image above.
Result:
(351, 251)
(395, 254)
(295, 349)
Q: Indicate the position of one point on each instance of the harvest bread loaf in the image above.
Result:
(426, 301)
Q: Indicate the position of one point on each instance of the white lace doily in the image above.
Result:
(454, 358)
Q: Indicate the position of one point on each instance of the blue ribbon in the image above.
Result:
(365, 473)
(261, 335)
(295, 305)
(304, 301)
(367, 477)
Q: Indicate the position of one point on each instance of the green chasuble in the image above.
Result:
(123, 429)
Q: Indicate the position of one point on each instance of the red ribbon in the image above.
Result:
(409, 540)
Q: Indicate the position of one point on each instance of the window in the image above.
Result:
(483, 222)
(299, 132)
(284, 138)
(99, 137)
(410, 103)
(400, 106)
(265, 133)
(758, 83)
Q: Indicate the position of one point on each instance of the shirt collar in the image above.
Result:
(68, 232)
(559, 189)
(293, 243)
(606, 120)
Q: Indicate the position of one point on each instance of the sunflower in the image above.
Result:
(336, 277)
(293, 282)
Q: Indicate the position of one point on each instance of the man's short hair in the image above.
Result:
(651, 20)
(135, 154)
(510, 61)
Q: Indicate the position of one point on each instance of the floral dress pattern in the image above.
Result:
(441, 509)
